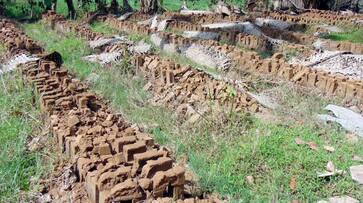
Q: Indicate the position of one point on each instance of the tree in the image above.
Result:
(101, 6)
(126, 6)
(71, 10)
(149, 6)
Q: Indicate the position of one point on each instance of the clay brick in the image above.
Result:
(91, 186)
(341, 89)
(312, 77)
(130, 150)
(119, 143)
(103, 149)
(321, 81)
(153, 166)
(109, 179)
(149, 141)
(141, 159)
(125, 191)
(331, 85)
(351, 90)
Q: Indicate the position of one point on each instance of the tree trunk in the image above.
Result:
(126, 6)
(71, 10)
(114, 8)
(149, 6)
(54, 5)
(101, 6)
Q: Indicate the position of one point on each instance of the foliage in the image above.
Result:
(355, 36)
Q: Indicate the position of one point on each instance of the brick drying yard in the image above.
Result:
(187, 106)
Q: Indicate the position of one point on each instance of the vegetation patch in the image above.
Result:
(20, 169)
(355, 36)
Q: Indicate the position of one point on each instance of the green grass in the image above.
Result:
(17, 124)
(224, 148)
(103, 28)
(2, 50)
(355, 36)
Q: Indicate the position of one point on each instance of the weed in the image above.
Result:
(18, 118)
(103, 28)
(355, 36)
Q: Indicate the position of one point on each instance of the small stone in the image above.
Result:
(357, 173)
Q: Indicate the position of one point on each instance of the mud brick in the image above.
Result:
(149, 141)
(254, 107)
(341, 89)
(170, 77)
(345, 46)
(141, 159)
(176, 176)
(321, 81)
(312, 77)
(130, 150)
(91, 186)
(145, 183)
(360, 93)
(301, 76)
(110, 178)
(129, 132)
(351, 90)
(73, 121)
(81, 162)
(286, 73)
(266, 67)
(103, 149)
(153, 166)
(61, 135)
(119, 143)
(331, 85)
(122, 192)
(70, 148)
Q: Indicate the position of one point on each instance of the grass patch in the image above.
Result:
(355, 36)
(2, 49)
(103, 28)
(224, 148)
(17, 165)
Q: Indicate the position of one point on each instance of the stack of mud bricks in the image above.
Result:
(15, 40)
(115, 161)
(329, 83)
(128, 26)
(185, 85)
(64, 26)
(252, 42)
(343, 46)
(314, 18)
(202, 18)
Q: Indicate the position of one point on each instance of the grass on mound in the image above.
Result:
(18, 121)
(355, 36)
(224, 149)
